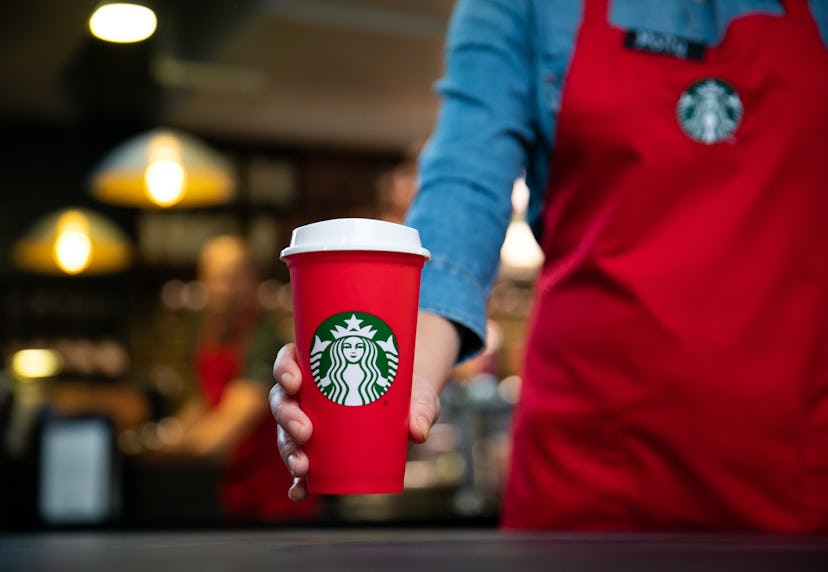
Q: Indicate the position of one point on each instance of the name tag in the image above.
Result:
(664, 44)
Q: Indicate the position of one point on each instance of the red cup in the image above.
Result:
(355, 285)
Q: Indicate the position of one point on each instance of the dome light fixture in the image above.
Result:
(122, 23)
(73, 247)
(73, 241)
(164, 177)
(163, 169)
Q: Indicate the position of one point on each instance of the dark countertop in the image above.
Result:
(401, 550)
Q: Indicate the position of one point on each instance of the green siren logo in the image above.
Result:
(709, 111)
(354, 358)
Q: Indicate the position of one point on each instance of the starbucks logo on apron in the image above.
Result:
(709, 111)
(354, 358)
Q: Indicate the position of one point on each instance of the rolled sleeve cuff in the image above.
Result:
(455, 295)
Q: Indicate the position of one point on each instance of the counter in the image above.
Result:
(402, 550)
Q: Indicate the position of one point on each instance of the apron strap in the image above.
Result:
(596, 11)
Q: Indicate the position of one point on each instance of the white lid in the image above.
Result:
(355, 234)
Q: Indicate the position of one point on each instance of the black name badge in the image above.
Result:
(663, 44)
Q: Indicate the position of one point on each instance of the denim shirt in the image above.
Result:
(506, 65)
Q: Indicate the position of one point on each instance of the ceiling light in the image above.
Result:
(163, 168)
(164, 177)
(520, 251)
(73, 247)
(73, 241)
(36, 363)
(122, 23)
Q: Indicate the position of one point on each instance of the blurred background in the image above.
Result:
(122, 159)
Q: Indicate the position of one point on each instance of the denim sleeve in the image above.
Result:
(819, 10)
(467, 169)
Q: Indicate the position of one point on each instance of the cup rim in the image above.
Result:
(355, 234)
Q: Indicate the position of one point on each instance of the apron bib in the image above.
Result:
(677, 371)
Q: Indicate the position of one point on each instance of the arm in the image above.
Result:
(486, 126)
(217, 431)
(437, 348)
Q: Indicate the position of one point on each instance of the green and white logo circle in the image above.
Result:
(709, 111)
(354, 358)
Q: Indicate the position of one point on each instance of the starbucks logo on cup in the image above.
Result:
(354, 358)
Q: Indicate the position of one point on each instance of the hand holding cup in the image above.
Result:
(355, 286)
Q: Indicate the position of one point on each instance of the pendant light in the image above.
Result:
(162, 169)
(520, 253)
(73, 241)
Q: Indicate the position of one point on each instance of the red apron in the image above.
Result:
(677, 374)
(255, 482)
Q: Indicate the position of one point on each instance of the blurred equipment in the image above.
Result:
(122, 23)
(77, 471)
(73, 241)
(163, 168)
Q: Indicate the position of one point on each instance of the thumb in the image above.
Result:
(425, 408)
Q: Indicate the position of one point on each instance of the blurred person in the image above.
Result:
(227, 419)
(676, 369)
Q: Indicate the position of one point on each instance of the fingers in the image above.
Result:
(298, 491)
(289, 416)
(286, 369)
(425, 408)
(292, 454)
(294, 426)
(283, 403)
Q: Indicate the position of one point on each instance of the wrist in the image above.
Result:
(437, 348)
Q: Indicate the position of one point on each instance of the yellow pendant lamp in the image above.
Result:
(73, 241)
(163, 169)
